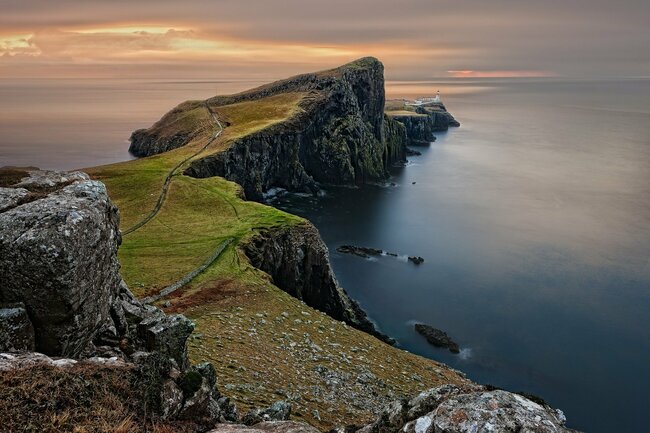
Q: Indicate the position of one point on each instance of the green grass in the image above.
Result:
(230, 297)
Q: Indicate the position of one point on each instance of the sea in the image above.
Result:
(533, 219)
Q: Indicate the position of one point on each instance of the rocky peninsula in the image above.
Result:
(263, 338)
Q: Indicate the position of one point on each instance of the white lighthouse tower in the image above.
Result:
(437, 100)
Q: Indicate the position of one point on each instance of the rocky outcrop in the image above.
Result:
(63, 296)
(340, 135)
(421, 123)
(174, 130)
(58, 257)
(441, 118)
(297, 260)
(451, 409)
(436, 337)
(419, 128)
(278, 411)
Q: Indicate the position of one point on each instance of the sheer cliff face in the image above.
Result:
(297, 260)
(340, 136)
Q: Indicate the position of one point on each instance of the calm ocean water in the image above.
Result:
(533, 219)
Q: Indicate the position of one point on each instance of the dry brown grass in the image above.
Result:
(85, 398)
(11, 175)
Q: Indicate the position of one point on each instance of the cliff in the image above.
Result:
(297, 260)
(337, 135)
(421, 122)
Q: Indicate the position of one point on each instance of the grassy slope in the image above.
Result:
(265, 344)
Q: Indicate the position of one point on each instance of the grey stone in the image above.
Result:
(451, 409)
(168, 336)
(171, 399)
(58, 256)
(201, 407)
(16, 330)
(47, 180)
(266, 427)
(496, 411)
(12, 197)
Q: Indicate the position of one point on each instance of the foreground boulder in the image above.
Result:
(58, 256)
(63, 296)
(451, 409)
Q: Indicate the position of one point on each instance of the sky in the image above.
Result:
(246, 39)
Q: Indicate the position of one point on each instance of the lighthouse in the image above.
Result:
(437, 98)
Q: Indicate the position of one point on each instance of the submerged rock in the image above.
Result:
(437, 337)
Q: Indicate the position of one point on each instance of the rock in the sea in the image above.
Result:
(452, 409)
(416, 259)
(266, 427)
(58, 257)
(364, 252)
(16, 330)
(437, 337)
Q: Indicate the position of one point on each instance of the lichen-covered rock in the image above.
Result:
(278, 411)
(497, 411)
(58, 256)
(471, 409)
(16, 330)
(12, 197)
(167, 336)
(266, 427)
(171, 399)
(297, 260)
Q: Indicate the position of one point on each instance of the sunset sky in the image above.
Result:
(416, 39)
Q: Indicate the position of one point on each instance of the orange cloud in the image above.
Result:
(500, 74)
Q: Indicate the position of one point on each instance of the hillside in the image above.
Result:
(265, 344)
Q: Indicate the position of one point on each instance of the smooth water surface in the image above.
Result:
(534, 222)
